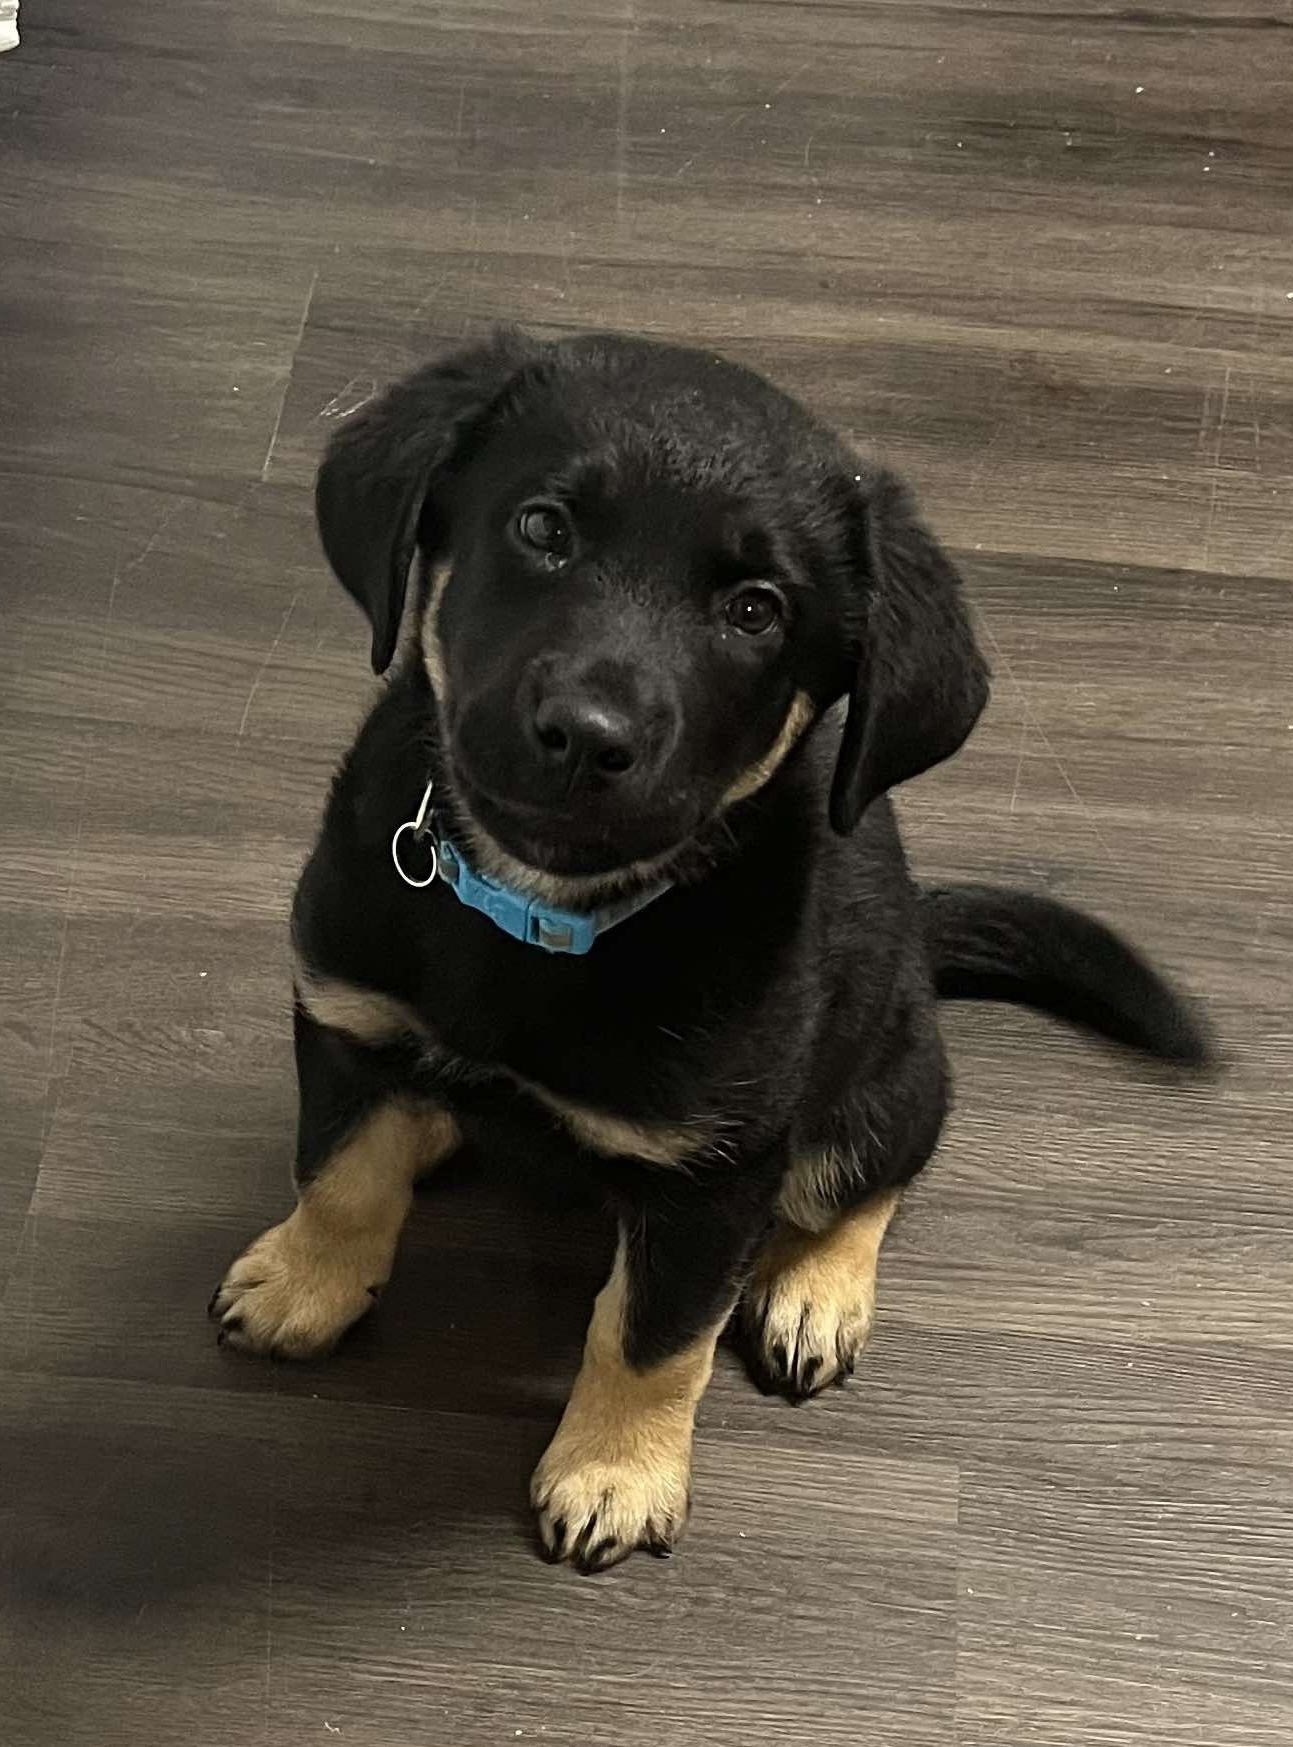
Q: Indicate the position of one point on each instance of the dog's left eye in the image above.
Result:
(543, 528)
(754, 611)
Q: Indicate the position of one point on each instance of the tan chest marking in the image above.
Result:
(364, 1014)
(374, 1018)
(616, 1137)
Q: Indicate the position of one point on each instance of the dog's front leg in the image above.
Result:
(617, 1475)
(362, 1143)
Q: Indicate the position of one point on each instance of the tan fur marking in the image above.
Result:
(297, 1289)
(617, 1474)
(495, 861)
(809, 1195)
(432, 651)
(492, 859)
(375, 1018)
(657, 1143)
(362, 1013)
(811, 1295)
(798, 716)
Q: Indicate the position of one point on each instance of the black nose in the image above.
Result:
(571, 728)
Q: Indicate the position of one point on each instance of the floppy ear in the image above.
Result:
(376, 477)
(919, 682)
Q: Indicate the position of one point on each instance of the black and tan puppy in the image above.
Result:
(608, 881)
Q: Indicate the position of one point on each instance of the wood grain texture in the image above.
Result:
(1038, 256)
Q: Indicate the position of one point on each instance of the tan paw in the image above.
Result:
(806, 1317)
(801, 1344)
(292, 1295)
(811, 1296)
(595, 1508)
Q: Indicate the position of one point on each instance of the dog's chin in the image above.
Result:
(559, 856)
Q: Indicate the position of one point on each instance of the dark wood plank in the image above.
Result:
(1038, 256)
(1064, 1636)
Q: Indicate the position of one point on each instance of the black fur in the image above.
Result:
(781, 997)
(991, 945)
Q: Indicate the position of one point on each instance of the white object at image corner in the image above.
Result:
(8, 25)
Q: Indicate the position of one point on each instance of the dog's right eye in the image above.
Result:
(544, 529)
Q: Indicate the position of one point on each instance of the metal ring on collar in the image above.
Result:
(412, 825)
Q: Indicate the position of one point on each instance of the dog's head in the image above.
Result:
(646, 573)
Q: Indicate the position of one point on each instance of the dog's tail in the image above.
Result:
(990, 944)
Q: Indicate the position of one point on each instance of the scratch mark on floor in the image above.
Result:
(473, 247)
(349, 398)
(424, 302)
(51, 1102)
(287, 385)
(790, 79)
(1031, 721)
(135, 563)
(1019, 761)
(742, 117)
(264, 666)
(25, 1255)
(1255, 410)
(1216, 472)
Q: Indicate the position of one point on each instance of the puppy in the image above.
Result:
(609, 881)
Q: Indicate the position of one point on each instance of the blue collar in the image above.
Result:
(524, 918)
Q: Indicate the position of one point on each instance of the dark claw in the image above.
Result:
(780, 1357)
(808, 1372)
(595, 1558)
(585, 1547)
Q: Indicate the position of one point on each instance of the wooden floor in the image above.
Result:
(1037, 253)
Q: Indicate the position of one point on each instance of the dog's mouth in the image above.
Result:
(573, 843)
